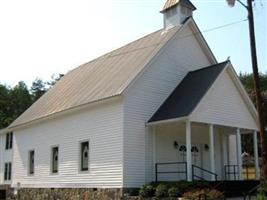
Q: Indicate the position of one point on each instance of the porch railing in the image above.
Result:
(249, 172)
(231, 170)
(179, 168)
(202, 170)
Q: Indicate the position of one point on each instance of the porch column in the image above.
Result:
(212, 158)
(188, 151)
(239, 152)
(154, 143)
(225, 147)
(256, 155)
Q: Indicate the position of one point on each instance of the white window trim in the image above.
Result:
(8, 171)
(28, 170)
(9, 146)
(51, 160)
(80, 155)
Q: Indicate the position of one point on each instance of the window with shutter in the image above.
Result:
(7, 172)
(54, 163)
(31, 162)
(9, 140)
(84, 156)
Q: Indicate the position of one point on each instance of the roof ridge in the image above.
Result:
(208, 67)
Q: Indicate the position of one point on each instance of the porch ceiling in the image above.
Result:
(188, 93)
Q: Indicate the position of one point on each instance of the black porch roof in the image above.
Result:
(188, 93)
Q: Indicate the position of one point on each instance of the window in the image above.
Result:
(9, 140)
(8, 168)
(31, 162)
(84, 152)
(54, 158)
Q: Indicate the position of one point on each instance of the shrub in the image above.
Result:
(134, 192)
(147, 191)
(211, 194)
(193, 194)
(261, 197)
(262, 191)
(173, 192)
(214, 194)
(162, 190)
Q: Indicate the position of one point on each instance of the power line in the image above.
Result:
(180, 37)
(223, 26)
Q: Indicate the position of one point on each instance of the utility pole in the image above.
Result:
(263, 136)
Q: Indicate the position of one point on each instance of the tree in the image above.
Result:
(20, 99)
(14, 101)
(54, 80)
(247, 81)
(5, 107)
(38, 88)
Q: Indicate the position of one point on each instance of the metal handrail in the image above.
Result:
(228, 173)
(248, 194)
(170, 172)
(204, 170)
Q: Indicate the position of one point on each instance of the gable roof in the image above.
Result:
(171, 3)
(101, 78)
(189, 92)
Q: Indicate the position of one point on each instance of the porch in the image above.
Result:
(187, 150)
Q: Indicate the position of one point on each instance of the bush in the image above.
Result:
(162, 190)
(173, 192)
(211, 194)
(193, 194)
(261, 197)
(262, 191)
(214, 194)
(147, 191)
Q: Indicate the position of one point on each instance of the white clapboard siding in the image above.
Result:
(182, 54)
(102, 125)
(224, 105)
(5, 156)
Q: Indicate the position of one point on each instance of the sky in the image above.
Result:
(39, 38)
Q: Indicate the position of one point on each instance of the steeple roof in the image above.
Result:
(171, 3)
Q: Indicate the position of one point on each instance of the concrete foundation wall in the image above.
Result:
(67, 193)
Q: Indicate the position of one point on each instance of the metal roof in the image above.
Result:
(101, 78)
(188, 93)
(171, 3)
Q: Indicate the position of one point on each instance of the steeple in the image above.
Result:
(176, 11)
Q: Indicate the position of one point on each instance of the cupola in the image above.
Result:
(176, 11)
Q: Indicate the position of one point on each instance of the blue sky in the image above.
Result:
(43, 37)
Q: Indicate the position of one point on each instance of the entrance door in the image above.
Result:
(195, 154)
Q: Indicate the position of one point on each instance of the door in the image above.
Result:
(195, 154)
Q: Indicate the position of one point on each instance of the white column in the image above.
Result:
(225, 148)
(154, 140)
(256, 155)
(212, 154)
(188, 151)
(239, 152)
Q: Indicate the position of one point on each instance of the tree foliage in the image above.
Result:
(247, 81)
(14, 101)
